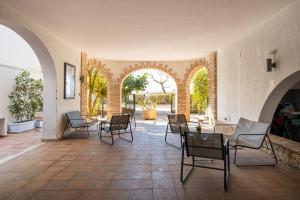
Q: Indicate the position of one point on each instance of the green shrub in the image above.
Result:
(26, 98)
(199, 95)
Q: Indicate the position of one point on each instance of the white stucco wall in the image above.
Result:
(60, 52)
(243, 82)
(15, 55)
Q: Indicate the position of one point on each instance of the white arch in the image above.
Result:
(49, 77)
(268, 110)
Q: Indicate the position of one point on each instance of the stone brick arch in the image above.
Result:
(149, 65)
(210, 63)
(104, 70)
(116, 102)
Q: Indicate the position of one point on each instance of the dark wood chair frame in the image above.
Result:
(118, 123)
(224, 148)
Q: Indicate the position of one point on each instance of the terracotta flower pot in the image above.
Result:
(149, 114)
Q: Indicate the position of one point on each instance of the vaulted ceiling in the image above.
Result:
(148, 29)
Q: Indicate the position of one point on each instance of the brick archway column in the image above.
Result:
(114, 96)
(183, 105)
(212, 83)
(84, 86)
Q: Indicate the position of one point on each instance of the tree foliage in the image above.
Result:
(26, 98)
(97, 89)
(200, 90)
(132, 83)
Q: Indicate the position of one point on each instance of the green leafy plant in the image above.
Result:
(132, 83)
(146, 102)
(26, 98)
(200, 91)
(97, 90)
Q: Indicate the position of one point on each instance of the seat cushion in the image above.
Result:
(246, 126)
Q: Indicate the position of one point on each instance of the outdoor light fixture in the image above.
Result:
(271, 63)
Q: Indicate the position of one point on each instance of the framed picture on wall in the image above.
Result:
(69, 80)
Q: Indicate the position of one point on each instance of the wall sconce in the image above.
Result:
(81, 79)
(271, 63)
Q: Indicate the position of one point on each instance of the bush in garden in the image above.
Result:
(26, 98)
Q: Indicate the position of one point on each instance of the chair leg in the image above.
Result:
(66, 125)
(166, 141)
(131, 132)
(228, 154)
(182, 163)
(272, 150)
(88, 132)
(100, 133)
(183, 179)
(235, 157)
(112, 137)
(166, 133)
(125, 131)
(235, 152)
(225, 172)
(181, 142)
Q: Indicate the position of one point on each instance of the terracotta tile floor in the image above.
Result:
(146, 169)
(13, 144)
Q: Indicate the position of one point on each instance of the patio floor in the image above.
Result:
(146, 169)
(17, 143)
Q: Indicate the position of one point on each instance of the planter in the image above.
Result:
(38, 120)
(21, 127)
(38, 124)
(149, 114)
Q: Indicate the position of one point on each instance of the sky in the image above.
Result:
(16, 52)
(154, 87)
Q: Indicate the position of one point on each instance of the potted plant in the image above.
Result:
(25, 101)
(149, 108)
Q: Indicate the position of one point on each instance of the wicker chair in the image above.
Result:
(178, 125)
(76, 120)
(117, 126)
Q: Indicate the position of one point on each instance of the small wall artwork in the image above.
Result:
(69, 79)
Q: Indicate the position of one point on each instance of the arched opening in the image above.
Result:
(95, 92)
(150, 93)
(282, 108)
(199, 95)
(49, 77)
(210, 64)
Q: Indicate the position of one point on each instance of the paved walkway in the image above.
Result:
(145, 169)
